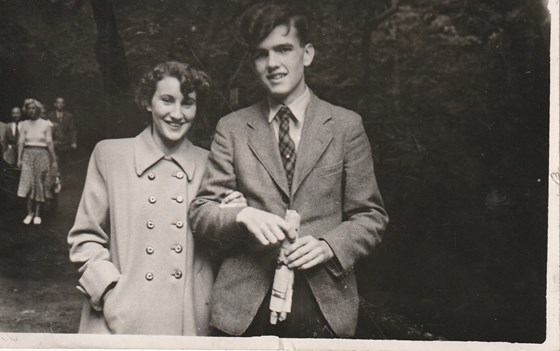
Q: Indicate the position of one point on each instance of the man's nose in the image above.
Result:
(273, 61)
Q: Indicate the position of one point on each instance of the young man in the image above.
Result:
(290, 151)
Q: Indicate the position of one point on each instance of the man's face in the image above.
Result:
(279, 62)
(59, 104)
(16, 114)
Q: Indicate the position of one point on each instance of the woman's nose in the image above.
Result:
(176, 111)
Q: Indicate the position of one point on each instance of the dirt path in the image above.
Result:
(37, 281)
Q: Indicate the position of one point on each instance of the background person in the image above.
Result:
(64, 131)
(37, 160)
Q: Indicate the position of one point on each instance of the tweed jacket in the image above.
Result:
(334, 190)
(64, 130)
(131, 229)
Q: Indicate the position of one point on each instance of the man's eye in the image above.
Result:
(285, 49)
(259, 55)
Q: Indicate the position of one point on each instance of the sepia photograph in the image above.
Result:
(250, 174)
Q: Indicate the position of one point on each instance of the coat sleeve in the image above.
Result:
(89, 237)
(217, 226)
(364, 217)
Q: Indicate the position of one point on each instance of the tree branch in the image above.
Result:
(388, 12)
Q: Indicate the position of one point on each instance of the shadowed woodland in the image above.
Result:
(453, 95)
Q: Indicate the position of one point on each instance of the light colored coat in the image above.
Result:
(131, 229)
(334, 190)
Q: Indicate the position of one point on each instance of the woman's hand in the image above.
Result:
(233, 199)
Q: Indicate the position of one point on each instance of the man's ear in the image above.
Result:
(308, 54)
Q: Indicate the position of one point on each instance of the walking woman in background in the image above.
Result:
(141, 271)
(37, 160)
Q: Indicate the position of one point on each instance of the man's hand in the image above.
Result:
(307, 252)
(267, 228)
(73, 146)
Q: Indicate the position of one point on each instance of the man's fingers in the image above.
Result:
(260, 237)
(269, 235)
(312, 263)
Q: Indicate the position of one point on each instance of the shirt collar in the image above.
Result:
(297, 106)
(146, 154)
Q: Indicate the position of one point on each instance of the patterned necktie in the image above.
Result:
(285, 143)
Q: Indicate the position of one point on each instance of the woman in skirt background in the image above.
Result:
(37, 160)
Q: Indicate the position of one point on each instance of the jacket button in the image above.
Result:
(179, 199)
(180, 175)
(151, 176)
(149, 276)
(150, 225)
(178, 249)
(179, 224)
(178, 274)
(150, 250)
(152, 199)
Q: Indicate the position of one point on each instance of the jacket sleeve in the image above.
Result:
(217, 226)
(364, 217)
(89, 237)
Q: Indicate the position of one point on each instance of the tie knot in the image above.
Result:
(284, 113)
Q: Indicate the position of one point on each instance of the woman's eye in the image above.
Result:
(188, 103)
(167, 99)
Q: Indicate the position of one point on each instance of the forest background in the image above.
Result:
(453, 94)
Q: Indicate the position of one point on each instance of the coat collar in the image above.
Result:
(146, 154)
(315, 137)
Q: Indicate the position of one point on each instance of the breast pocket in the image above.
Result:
(329, 170)
(325, 197)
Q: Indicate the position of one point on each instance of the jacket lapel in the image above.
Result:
(262, 142)
(315, 137)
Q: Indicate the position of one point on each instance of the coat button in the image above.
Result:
(152, 199)
(179, 199)
(179, 224)
(179, 175)
(150, 250)
(151, 176)
(150, 225)
(178, 249)
(178, 274)
(149, 276)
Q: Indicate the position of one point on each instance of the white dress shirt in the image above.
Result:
(298, 107)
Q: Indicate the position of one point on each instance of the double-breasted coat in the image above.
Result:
(131, 231)
(334, 190)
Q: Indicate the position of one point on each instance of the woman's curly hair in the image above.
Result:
(190, 78)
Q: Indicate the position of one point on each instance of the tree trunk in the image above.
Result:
(111, 58)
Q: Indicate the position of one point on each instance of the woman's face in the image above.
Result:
(172, 113)
(32, 111)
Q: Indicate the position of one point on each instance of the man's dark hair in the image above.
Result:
(259, 20)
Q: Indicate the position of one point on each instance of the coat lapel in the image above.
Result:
(262, 142)
(315, 137)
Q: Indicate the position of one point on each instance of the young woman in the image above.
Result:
(141, 271)
(37, 160)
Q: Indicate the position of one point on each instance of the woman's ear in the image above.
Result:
(147, 106)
